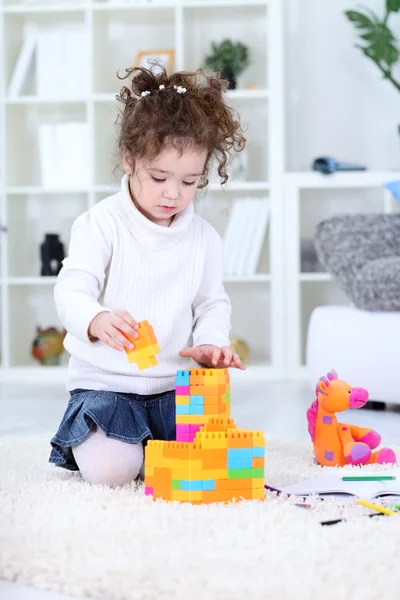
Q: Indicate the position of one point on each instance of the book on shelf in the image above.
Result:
(244, 236)
(64, 151)
(58, 58)
(23, 65)
(332, 484)
(62, 61)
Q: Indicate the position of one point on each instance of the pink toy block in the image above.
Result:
(194, 428)
(182, 390)
(185, 437)
(183, 429)
(148, 491)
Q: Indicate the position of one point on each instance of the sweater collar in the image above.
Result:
(147, 233)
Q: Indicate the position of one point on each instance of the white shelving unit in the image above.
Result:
(114, 33)
(310, 197)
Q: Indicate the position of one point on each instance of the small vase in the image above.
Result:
(52, 255)
(231, 78)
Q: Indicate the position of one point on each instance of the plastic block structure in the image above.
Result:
(200, 395)
(219, 463)
(145, 347)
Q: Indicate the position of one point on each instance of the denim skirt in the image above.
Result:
(130, 418)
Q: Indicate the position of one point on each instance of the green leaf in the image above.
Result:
(359, 20)
(392, 5)
(381, 47)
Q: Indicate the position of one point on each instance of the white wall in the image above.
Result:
(336, 100)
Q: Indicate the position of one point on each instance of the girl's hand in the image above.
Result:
(110, 326)
(215, 357)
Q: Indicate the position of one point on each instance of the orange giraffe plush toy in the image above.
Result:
(335, 443)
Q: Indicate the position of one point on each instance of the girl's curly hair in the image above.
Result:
(197, 118)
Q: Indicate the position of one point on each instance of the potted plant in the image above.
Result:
(228, 58)
(380, 45)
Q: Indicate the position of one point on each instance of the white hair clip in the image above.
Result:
(180, 89)
(145, 93)
(162, 87)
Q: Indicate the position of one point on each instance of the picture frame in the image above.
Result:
(145, 58)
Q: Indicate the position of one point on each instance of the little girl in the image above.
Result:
(142, 254)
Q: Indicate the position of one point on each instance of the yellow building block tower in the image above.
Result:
(212, 460)
(145, 347)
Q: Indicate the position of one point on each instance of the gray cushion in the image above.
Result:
(363, 254)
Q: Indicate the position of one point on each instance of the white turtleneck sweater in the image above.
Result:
(169, 276)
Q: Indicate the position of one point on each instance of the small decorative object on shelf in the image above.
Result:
(47, 346)
(228, 58)
(328, 165)
(241, 348)
(239, 166)
(308, 257)
(338, 444)
(150, 59)
(51, 254)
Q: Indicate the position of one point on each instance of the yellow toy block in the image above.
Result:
(146, 363)
(259, 493)
(145, 347)
(190, 419)
(136, 355)
(257, 483)
(213, 439)
(186, 496)
(182, 399)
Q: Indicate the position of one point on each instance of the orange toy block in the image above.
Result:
(219, 424)
(211, 409)
(214, 463)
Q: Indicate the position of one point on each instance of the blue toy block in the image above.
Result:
(240, 463)
(196, 400)
(182, 378)
(182, 409)
(191, 486)
(196, 409)
(208, 485)
(258, 452)
(234, 453)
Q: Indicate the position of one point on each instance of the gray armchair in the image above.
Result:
(362, 252)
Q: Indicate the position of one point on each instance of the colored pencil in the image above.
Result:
(369, 478)
(381, 509)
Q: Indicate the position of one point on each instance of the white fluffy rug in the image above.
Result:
(58, 533)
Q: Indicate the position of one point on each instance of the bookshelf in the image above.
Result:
(29, 209)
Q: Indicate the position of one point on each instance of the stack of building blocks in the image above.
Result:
(220, 462)
(200, 394)
(145, 347)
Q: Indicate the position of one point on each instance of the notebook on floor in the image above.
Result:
(331, 484)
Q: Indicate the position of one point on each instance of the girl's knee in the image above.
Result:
(106, 461)
(112, 477)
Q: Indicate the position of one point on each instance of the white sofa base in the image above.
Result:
(363, 347)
